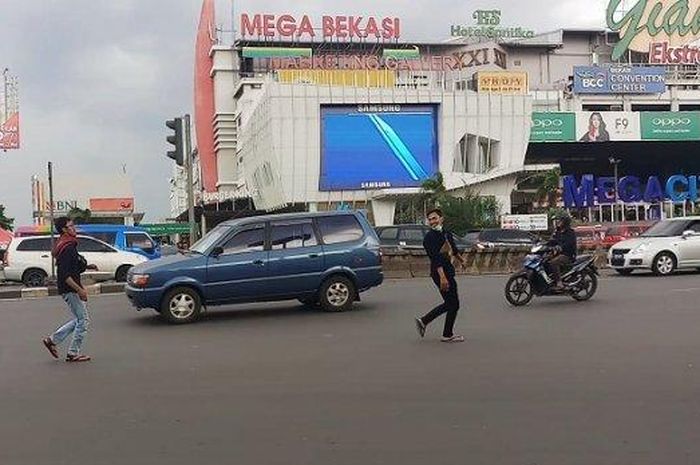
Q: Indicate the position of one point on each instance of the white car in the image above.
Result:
(28, 260)
(667, 246)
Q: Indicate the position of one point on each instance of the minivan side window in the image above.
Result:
(108, 237)
(389, 234)
(88, 245)
(40, 244)
(250, 240)
(140, 240)
(339, 228)
(293, 235)
(412, 234)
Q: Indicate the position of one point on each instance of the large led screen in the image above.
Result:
(377, 146)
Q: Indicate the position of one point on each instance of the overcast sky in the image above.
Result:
(98, 78)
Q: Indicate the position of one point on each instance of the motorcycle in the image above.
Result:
(579, 282)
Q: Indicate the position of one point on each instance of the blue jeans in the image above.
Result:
(78, 326)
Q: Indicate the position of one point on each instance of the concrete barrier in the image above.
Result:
(415, 263)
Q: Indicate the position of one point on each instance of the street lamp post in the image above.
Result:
(615, 162)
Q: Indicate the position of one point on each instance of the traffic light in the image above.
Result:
(176, 139)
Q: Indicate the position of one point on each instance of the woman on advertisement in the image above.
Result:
(597, 131)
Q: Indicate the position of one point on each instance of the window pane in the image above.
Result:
(411, 234)
(293, 236)
(140, 240)
(88, 245)
(341, 228)
(389, 233)
(250, 240)
(109, 238)
(35, 245)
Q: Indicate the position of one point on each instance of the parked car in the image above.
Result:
(318, 258)
(667, 246)
(28, 260)
(408, 236)
(489, 238)
(126, 238)
(619, 232)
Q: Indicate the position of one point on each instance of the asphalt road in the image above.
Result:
(612, 381)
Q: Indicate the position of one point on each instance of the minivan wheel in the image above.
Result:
(34, 278)
(181, 305)
(122, 272)
(337, 294)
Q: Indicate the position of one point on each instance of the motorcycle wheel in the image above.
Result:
(519, 290)
(586, 288)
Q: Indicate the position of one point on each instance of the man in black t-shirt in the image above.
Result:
(69, 267)
(440, 246)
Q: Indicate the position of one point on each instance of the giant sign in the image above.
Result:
(591, 191)
(286, 26)
(619, 80)
(664, 28)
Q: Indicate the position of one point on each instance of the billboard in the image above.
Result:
(666, 125)
(553, 127)
(502, 82)
(9, 132)
(9, 112)
(619, 80)
(607, 126)
(377, 146)
(125, 204)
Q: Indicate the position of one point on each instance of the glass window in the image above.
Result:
(108, 237)
(412, 235)
(293, 235)
(211, 238)
(339, 228)
(42, 244)
(489, 235)
(89, 245)
(139, 240)
(695, 227)
(667, 228)
(250, 240)
(389, 234)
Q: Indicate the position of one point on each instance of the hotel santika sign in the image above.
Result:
(668, 30)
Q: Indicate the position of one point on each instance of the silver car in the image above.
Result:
(667, 246)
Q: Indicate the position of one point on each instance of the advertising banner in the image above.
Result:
(537, 222)
(666, 125)
(607, 126)
(553, 127)
(112, 205)
(502, 82)
(619, 80)
(9, 133)
(377, 146)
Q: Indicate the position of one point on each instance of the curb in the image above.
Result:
(41, 292)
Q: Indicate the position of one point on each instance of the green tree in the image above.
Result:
(80, 216)
(548, 187)
(5, 222)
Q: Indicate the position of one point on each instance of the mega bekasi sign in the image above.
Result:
(590, 191)
(619, 80)
(286, 26)
(665, 29)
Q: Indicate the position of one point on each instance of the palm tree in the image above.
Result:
(80, 216)
(548, 187)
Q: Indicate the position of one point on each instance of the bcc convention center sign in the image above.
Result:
(619, 80)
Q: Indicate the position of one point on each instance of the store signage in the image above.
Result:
(453, 62)
(330, 27)
(112, 204)
(591, 191)
(61, 205)
(502, 82)
(670, 125)
(662, 28)
(538, 222)
(619, 80)
(166, 229)
(553, 127)
(488, 26)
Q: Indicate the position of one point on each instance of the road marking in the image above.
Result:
(687, 289)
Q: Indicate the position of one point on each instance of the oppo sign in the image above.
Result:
(591, 191)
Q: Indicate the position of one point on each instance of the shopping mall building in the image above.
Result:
(331, 112)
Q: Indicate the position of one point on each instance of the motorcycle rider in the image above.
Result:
(564, 239)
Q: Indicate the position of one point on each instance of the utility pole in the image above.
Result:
(6, 112)
(615, 162)
(53, 237)
(189, 161)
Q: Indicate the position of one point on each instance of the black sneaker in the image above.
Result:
(420, 327)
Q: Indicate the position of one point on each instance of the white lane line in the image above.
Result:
(687, 289)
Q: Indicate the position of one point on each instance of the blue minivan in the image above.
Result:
(128, 238)
(323, 259)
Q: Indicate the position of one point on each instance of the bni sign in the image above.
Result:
(619, 80)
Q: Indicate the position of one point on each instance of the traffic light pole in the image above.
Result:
(190, 183)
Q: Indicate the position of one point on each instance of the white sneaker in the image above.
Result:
(454, 338)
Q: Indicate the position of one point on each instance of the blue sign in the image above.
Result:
(617, 79)
(591, 191)
(377, 146)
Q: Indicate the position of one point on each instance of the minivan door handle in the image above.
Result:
(258, 263)
(313, 255)
(44, 256)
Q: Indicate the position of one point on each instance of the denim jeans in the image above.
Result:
(78, 326)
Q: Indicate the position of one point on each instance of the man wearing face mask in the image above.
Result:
(440, 246)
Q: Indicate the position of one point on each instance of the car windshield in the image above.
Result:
(205, 243)
(666, 229)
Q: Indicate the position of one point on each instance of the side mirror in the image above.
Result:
(217, 252)
(688, 234)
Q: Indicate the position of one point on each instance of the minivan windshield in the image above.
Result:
(666, 229)
(211, 238)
